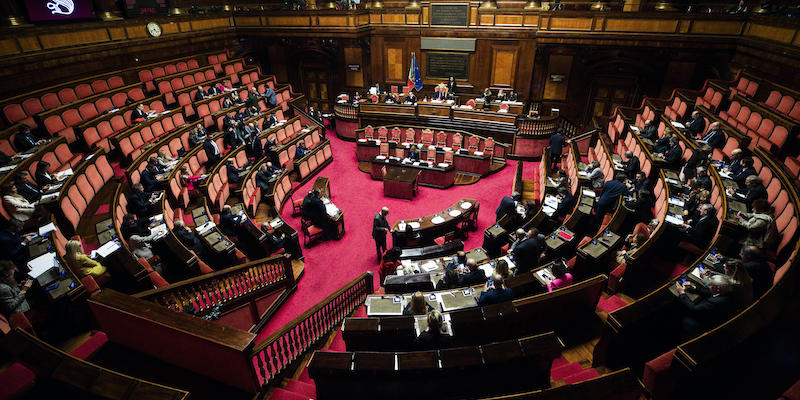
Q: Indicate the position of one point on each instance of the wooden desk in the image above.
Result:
(323, 184)
(435, 225)
(463, 160)
(433, 176)
(400, 183)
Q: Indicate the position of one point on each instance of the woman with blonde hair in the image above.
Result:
(80, 263)
(417, 305)
(433, 337)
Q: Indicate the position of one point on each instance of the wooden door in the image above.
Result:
(608, 93)
(316, 85)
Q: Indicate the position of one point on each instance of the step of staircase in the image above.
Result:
(581, 376)
(283, 394)
(303, 388)
(564, 371)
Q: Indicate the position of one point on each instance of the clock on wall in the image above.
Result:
(154, 29)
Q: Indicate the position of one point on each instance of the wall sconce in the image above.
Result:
(599, 6)
(412, 5)
(533, 5)
(488, 5)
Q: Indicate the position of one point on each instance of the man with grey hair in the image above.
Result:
(474, 276)
(716, 305)
(508, 205)
(187, 237)
(631, 164)
(380, 226)
(495, 292)
(697, 125)
(701, 232)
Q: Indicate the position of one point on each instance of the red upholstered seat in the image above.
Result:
(657, 378)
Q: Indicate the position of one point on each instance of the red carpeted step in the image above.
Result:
(360, 312)
(305, 389)
(103, 209)
(304, 377)
(90, 346)
(611, 304)
(581, 376)
(283, 394)
(559, 362)
(14, 380)
(564, 371)
(338, 342)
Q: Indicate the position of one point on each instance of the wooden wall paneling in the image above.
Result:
(678, 75)
(525, 67)
(78, 38)
(394, 59)
(504, 65)
(641, 25)
(353, 56)
(277, 60)
(557, 65)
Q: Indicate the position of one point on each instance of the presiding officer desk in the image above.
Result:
(471, 162)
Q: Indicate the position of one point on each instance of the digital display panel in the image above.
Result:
(58, 10)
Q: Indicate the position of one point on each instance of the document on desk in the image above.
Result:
(548, 210)
(551, 201)
(678, 125)
(47, 228)
(725, 175)
(331, 209)
(429, 266)
(675, 220)
(672, 181)
(108, 248)
(41, 264)
(47, 197)
(675, 201)
(7, 168)
(583, 173)
(65, 173)
(590, 193)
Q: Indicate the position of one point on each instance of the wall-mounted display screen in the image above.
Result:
(58, 10)
(136, 8)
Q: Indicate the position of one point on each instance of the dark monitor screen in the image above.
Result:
(58, 10)
(135, 8)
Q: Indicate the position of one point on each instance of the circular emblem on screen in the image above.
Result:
(63, 7)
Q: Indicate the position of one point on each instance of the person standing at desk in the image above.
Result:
(380, 226)
(212, 153)
(451, 87)
(487, 97)
(612, 190)
(557, 143)
(508, 205)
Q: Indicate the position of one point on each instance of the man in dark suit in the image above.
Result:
(640, 182)
(557, 143)
(496, 292)
(229, 223)
(746, 170)
(754, 189)
(612, 190)
(201, 94)
(451, 87)
(701, 174)
(188, 238)
(212, 152)
(715, 136)
(254, 149)
(300, 150)
(696, 126)
(313, 209)
(228, 121)
(758, 269)
(139, 115)
(631, 165)
(380, 226)
(149, 179)
(274, 240)
(701, 232)
(508, 205)
(674, 155)
(565, 200)
(140, 203)
(735, 166)
(717, 305)
(650, 131)
(264, 180)
(25, 140)
(26, 188)
(233, 173)
(475, 276)
(526, 253)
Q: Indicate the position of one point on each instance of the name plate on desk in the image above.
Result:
(444, 65)
(449, 14)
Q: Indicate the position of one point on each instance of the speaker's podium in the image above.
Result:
(401, 183)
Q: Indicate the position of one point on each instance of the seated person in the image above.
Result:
(269, 94)
(26, 188)
(188, 238)
(596, 175)
(716, 305)
(408, 238)
(149, 177)
(140, 202)
(561, 277)
(746, 169)
(233, 173)
(753, 190)
(164, 161)
(229, 223)
(474, 275)
(25, 140)
(715, 137)
(697, 199)
(417, 305)
(495, 292)
(19, 208)
(512, 95)
(274, 240)
(411, 98)
(703, 179)
(13, 244)
(432, 337)
(673, 157)
(197, 135)
(264, 178)
(460, 260)
(642, 205)
(487, 95)
(516, 238)
(734, 166)
(139, 115)
(759, 271)
(300, 151)
(700, 231)
(141, 248)
(13, 297)
(43, 177)
(450, 280)
(759, 226)
(80, 263)
(640, 182)
(636, 242)
(650, 131)
(661, 144)
(501, 268)
(313, 209)
(565, 200)
(631, 164)
(696, 125)
(132, 226)
(561, 179)
(189, 181)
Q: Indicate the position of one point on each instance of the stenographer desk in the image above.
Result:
(429, 175)
(476, 162)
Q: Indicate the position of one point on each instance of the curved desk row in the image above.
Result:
(476, 163)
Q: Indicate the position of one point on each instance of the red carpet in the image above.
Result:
(611, 304)
(332, 264)
(564, 371)
(581, 376)
(102, 209)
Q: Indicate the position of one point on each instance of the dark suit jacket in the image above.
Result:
(707, 313)
(379, 226)
(139, 204)
(564, 206)
(696, 126)
(189, 239)
(42, 179)
(263, 182)
(507, 205)
(650, 132)
(229, 224)
(233, 174)
(473, 277)
(673, 157)
(754, 193)
(494, 296)
(254, 149)
(717, 139)
(252, 100)
(557, 143)
(611, 192)
(29, 191)
(138, 115)
(213, 156)
(200, 95)
(23, 142)
(12, 246)
(702, 230)
(743, 174)
(761, 274)
(631, 167)
(526, 255)
(149, 181)
(314, 210)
